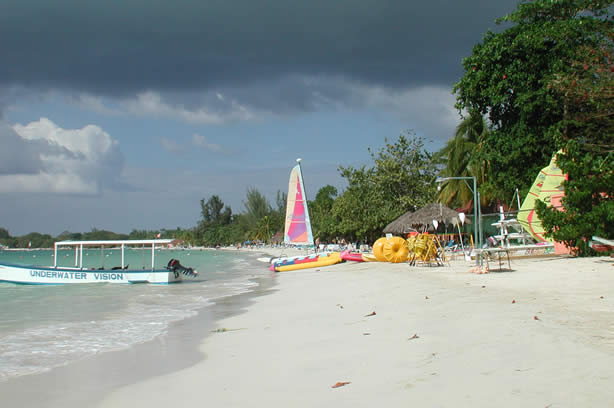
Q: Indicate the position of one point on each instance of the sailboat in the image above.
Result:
(297, 230)
(547, 187)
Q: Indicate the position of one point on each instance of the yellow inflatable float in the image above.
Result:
(389, 250)
(378, 249)
(395, 250)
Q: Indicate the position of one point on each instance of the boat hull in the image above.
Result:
(305, 262)
(35, 275)
(369, 258)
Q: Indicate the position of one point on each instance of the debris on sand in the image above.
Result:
(341, 384)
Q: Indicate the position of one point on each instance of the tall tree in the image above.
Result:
(508, 77)
(402, 179)
(587, 137)
(215, 217)
(462, 159)
(404, 172)
(4, 233)
(278, 214)
(322, 221)
(213, 211)
(256, 208)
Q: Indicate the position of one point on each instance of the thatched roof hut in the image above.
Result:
(411, 221)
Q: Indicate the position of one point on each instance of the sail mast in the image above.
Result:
(307, 218)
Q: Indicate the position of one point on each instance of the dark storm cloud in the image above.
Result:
(127, 46)
(17, 155)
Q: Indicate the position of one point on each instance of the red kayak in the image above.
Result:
(348, 255)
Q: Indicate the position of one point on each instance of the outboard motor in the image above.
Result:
(175, 266)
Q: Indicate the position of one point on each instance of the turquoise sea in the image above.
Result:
(47, 326)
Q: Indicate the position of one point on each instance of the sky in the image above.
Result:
(124, 114)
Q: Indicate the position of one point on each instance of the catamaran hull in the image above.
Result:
(35, 275)
(305, 262)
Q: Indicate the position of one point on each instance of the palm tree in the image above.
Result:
(461, 158)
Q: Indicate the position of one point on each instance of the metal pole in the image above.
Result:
(476, 213)
(476, 220)
(480, 230)
(307, 218)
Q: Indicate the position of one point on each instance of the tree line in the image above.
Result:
(401, 179)
(38, 240)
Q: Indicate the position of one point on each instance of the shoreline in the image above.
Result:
(86, 382)
(540, 335)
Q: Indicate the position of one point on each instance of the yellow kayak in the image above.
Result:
(369, 258)
(304, 262)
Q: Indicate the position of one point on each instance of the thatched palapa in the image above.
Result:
(411, 221)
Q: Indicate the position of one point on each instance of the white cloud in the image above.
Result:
(93, 103)
(217, 110)
(81, 161)
(201, 141)
(427, 107)
(428, 110)
(170, 145)
(152, 104)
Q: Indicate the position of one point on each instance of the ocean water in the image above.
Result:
(47, 326)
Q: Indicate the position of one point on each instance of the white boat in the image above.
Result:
(55, 275)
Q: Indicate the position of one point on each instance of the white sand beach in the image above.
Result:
(392, 335)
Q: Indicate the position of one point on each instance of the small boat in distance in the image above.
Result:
(57, 275)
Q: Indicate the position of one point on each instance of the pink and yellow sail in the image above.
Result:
(298, 225)
(548, 187)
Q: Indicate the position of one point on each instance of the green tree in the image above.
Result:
(102, 235)
(6, 239)
(4, 233)
(404, 173)
(34, 240)
(278, 214)
(213, 211)
(256, 208)
(361, 211)
(587, 137)
(401, 180)
(262, 231)
(215, 218)
(462, 159)
(508, 77)
(320, 210)
(70, 236)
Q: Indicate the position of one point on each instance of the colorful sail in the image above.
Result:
(298, 226)
(548, 187)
